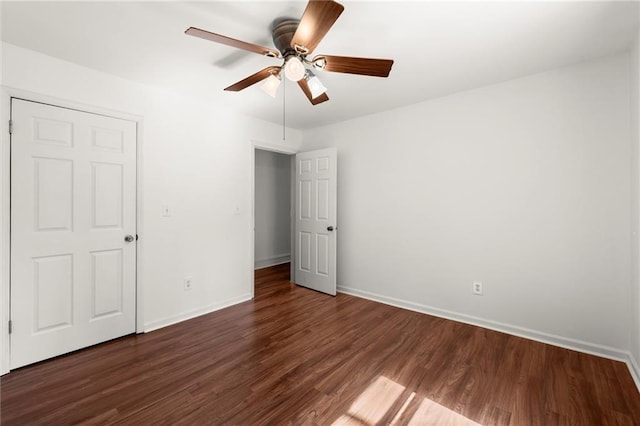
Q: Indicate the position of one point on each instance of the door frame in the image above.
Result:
(266, 146)
(6, 94)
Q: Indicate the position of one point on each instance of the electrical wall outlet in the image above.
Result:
(188, 282)
(477, 288)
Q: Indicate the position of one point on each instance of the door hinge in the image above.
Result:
(136, 237)
(10, 326)
(10, 127)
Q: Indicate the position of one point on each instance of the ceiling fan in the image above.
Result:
(295, 40)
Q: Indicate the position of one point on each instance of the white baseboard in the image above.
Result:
(154, 325)
(634, 369)
(277, 259)
(563, 342)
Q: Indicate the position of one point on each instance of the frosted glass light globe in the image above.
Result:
(316, 86)
(270, 85)
(294, 69)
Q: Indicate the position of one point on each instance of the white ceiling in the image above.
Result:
(438, 47)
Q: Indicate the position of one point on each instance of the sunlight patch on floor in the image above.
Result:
(432, 413)
(374, 404)
(402, 409)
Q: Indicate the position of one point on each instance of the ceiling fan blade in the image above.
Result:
(314, 101)
(197, 32)
(252, 79)
(349, 65)
(316, 21)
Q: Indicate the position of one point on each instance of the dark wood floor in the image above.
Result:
(294, 356)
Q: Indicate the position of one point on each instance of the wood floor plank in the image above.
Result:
(295, 356)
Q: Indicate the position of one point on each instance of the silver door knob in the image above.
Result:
(128, 238)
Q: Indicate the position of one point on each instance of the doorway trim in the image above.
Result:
(267, 146)
(6, 94)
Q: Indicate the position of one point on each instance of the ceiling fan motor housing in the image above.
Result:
(282, 32)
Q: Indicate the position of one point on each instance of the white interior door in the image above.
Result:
(73, 201)
(315, 224)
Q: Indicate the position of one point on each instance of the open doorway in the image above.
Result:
(272, 212)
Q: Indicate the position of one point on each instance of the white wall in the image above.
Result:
(197, 157)
(634, 300)
(523, 185)
(272, 208)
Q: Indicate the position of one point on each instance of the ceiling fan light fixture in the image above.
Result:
(294, 69)
(270, 85)
(315, 85)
